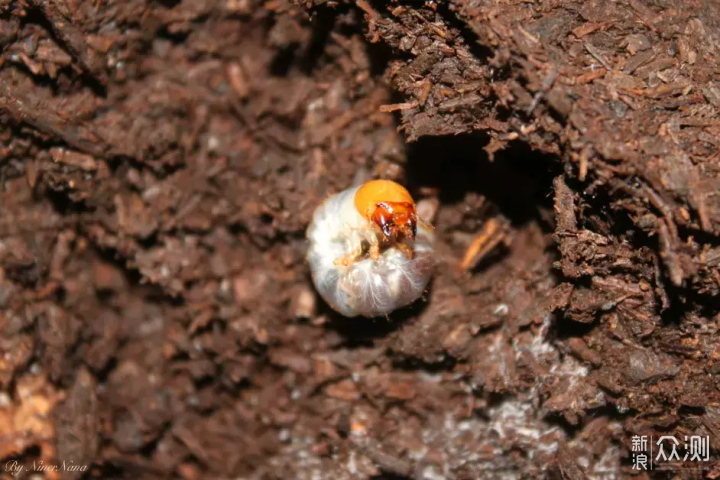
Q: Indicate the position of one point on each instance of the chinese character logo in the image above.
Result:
(699, 449)
(661, 453)
(640, 460)
(668, 458)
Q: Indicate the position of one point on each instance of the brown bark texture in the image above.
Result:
(160, 162)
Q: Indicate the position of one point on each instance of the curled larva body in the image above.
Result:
(351, 275)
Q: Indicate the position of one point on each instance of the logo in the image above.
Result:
(14, 468)
(662, 454)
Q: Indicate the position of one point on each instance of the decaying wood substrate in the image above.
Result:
(161, 160)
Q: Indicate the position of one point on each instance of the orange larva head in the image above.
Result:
(390, 207)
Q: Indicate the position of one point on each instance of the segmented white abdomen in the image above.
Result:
(366, 287)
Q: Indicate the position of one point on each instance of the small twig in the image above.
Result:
(365, 7)
(397, 106)
(657, 201)
(583, 160)
(483, 243)
(668, 254)
(595, 53)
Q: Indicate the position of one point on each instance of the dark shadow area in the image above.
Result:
(710, 304)
(176, 38)
(608, 411)
(37, 16)
(518, 181)
(604, 211)
(346, 22)
(103, 374)
(113, 257)
(411, 364)
(494, 399)
(63, 204)
(565, 328)
(380, 55)
(323, 22)
(493, 257)
(283, 61)
(169, 4)
(600, 211)
(389, 476)
(471, 39)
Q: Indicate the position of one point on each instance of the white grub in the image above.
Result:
(367, 287)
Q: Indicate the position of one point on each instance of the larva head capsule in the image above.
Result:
(389, 207)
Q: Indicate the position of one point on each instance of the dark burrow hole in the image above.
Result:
(518, 181)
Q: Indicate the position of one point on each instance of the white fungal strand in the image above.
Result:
(363, 285)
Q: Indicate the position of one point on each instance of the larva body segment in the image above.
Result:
(365, 286)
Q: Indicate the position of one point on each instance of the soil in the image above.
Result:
(161, 161)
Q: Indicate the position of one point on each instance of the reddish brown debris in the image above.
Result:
(160, 162)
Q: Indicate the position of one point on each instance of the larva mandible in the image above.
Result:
(369, 251)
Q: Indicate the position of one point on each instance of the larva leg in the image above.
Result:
(350, 258)
(374, 248)
(425, 224)
(355, 251)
